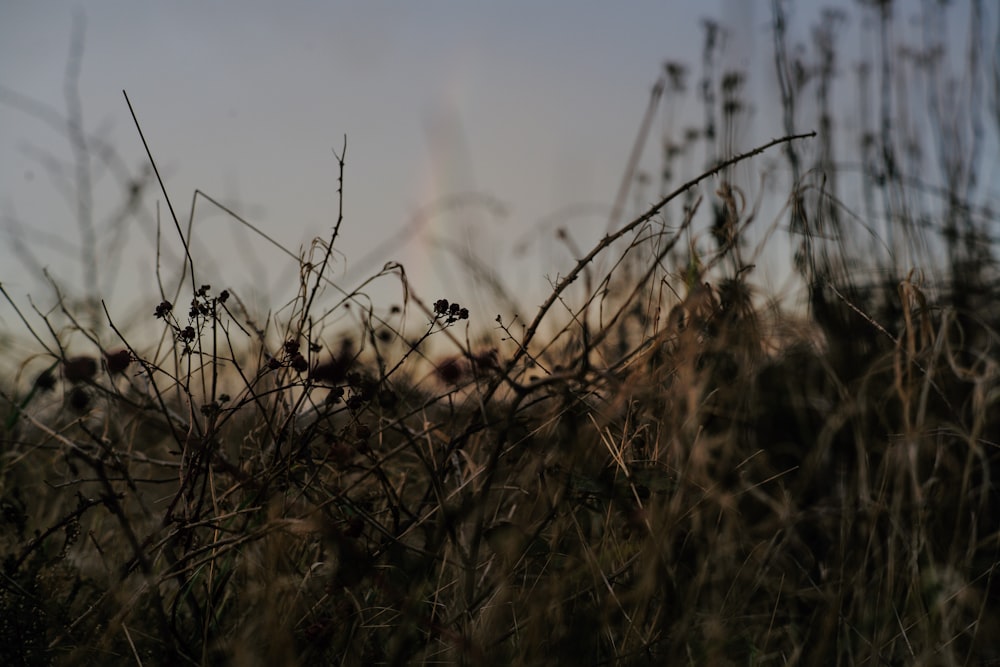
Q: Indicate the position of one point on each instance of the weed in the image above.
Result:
(663, 466)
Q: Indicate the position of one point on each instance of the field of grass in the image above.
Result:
(662, 464)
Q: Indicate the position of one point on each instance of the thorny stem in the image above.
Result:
(611, 238)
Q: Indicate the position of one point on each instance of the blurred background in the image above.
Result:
(474, 133)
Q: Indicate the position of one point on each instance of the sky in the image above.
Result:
(508, 111)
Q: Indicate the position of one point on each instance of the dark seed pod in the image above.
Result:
(117, 361)
(79, 369)
(79, 399)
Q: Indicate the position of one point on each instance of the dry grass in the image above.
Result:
(662, 467)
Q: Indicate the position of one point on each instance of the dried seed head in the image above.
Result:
(451, 370)
(79, 369)
(117, 361)
(299, 363)
(79, 399)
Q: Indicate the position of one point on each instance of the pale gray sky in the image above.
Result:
(534, 104)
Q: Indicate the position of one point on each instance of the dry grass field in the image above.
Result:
(660, 464)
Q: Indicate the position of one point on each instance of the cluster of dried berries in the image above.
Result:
(185, 335)
(451, 312)
(362, 390)
(202, 305)
(292, 357)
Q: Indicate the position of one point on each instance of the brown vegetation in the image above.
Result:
(663, 466)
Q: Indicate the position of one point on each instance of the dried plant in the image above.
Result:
(664, 465)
